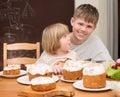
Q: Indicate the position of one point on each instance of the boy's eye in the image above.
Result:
(89, 26)
(81, 24)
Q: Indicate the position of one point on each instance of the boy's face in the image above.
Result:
(81, 29)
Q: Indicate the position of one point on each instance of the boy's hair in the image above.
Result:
(51, 36)
(88, 12)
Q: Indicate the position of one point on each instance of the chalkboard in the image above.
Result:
(24, 20)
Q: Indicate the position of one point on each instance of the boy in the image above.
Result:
(87, 45)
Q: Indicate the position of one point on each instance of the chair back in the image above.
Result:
(19, 59)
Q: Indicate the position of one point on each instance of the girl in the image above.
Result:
(56, 45)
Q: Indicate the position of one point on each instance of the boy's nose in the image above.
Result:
(83, 28)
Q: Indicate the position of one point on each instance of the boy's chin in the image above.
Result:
(80, 38)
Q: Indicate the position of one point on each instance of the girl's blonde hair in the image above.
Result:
(51, 36)
(88, 12)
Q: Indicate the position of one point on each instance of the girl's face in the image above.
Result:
(82, 29)
(65, 43)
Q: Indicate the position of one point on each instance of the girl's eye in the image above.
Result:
(65, 36)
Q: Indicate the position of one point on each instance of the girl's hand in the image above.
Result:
(57, 69)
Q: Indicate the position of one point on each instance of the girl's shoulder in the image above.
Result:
(72, 52)
(45, 55)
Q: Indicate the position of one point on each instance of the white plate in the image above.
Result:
(56, 78)
(79, 85)
(71, 81)
(22, 72)
(25, 79)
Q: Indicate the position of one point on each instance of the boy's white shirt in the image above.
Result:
(93, 48)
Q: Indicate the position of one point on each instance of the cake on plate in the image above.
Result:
(37, 70)
(72, 70)
(94, 76)
(43, 84)
(11, 70)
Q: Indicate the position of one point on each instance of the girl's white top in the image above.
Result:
(51, 60)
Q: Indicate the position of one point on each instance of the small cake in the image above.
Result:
(37, 70)
(72, 70)
(11, 70)
(43, 84)
(94, 76)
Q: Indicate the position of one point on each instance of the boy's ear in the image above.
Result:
(72, 21)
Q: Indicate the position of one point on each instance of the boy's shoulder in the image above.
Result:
(94, 39)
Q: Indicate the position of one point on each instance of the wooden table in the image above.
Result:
(10, 87)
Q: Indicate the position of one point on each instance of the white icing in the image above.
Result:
(73, 65)
(42, 80)
(39, 69)
(93, 70)
(12, 67)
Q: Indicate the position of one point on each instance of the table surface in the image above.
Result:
(9, 87)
